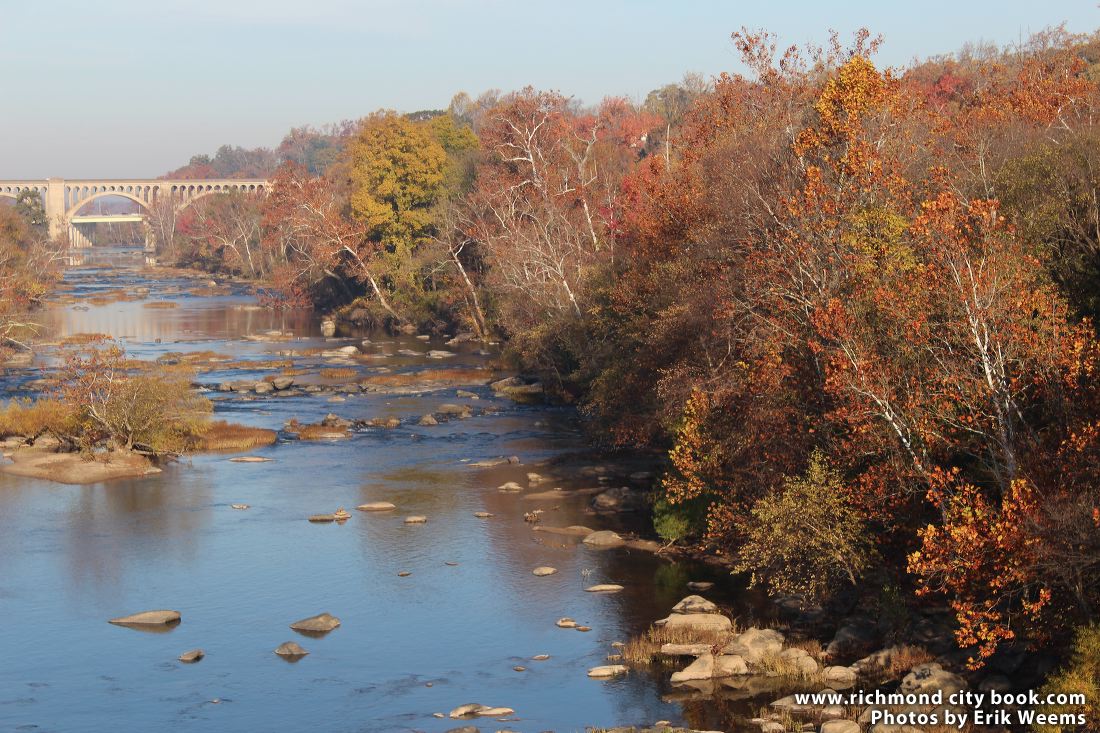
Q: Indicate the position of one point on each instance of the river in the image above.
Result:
(450, 632)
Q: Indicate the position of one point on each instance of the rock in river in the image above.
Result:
(148, 618)
(695, 604)
(415, 519)
(608, 670)
(604, 588)
(543, 571)
(566, 623)
(322, 623)
(291, 650)
(469, 710)
(376, 506)
(605, 538)
(192, 656)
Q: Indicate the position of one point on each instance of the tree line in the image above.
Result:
(855, 305)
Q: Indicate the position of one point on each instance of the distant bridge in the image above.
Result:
(63, 198)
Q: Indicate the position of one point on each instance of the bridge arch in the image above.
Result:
(102, 193)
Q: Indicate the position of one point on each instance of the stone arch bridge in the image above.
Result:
(64, 198)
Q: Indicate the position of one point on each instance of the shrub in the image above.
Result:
(1080, 676)
(806, 539)
(154, 409)
(31, 418)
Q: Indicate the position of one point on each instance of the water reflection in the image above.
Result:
(467, 613)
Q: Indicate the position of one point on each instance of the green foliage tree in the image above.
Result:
(29, 205)
(805, 538)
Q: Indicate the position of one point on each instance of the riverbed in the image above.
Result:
(452, 630)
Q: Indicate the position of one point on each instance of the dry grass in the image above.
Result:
(112, 296)
(83, 339)
(28, 418)
(646, 649)
(161, 304)
(291, 372)
(451, 377)
(898, 664)
(255, 366)
(224, 436)
(339, 373)
(309, 431)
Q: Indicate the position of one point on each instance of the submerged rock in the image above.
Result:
(416, 519)
(376, 506)
(148, 618)
(608, 670)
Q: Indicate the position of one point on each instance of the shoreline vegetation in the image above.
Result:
(854, 309)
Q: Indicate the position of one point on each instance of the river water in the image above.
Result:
(72, 557)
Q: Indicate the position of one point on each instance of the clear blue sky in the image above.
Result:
(135, 87)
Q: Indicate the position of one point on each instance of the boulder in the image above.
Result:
(799, 661)
(756, 644)
(565, 623)
(322, 623)
(509, 487)
(290, 650)
(608, 670)
(931, 677)
(708, 666)
(730, 665)
(376, 506)
(543, 571)
(604, 588)
(701, 585)
(281, 383)
(700, 622)
(855, 635)
(695, 604)
(328, 329)
(482, 515)
(416, 519)
(454, 410)
(475, 709)
(192, 656)
(839, 726)
(427, 421)
(148, 618)
(604, 538)
(840, 675)
(263, 388)
(620, 499)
